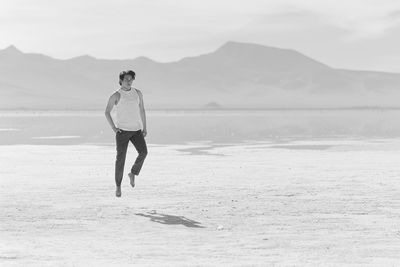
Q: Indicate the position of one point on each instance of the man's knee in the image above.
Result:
(143, 153)
(121, 155)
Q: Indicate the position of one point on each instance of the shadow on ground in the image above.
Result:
(171, 219)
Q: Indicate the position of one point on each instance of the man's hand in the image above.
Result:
(144, 132)
(116, 130)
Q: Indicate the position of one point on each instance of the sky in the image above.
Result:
(350, 34)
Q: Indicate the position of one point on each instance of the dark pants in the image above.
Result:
(122, 139)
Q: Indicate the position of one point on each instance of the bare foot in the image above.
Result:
(132, 178)
(118, 191)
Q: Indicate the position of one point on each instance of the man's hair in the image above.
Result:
(126, 72)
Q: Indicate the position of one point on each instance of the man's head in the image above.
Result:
(126, 77)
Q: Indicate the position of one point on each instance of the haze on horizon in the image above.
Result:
(354, 34)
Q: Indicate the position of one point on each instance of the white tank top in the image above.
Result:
(128, 111)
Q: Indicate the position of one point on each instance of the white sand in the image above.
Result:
(324, 203)
(57, 137)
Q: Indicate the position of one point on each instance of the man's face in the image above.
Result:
(127, 81)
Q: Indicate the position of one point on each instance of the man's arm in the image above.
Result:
(142, 113)
(111, 102)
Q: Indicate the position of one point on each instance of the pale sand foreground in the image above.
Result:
(304, 204)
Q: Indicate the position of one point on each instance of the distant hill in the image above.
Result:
(236, 75)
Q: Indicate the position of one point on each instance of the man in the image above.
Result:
(130, 125)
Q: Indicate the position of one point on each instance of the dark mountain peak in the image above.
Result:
(233, 51)
(232, 46)
(257, 55)
(11, 50)
(143, 59)
(13, 53)
(83, 57)
(86, 57)
(253, 51)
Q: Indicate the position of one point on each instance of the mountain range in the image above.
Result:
(236, 75)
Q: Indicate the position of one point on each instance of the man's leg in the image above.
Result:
(140, 144)
(122, 141)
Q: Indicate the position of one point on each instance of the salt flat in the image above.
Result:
(311, 203)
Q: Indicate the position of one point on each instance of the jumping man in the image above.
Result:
(130, 125)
